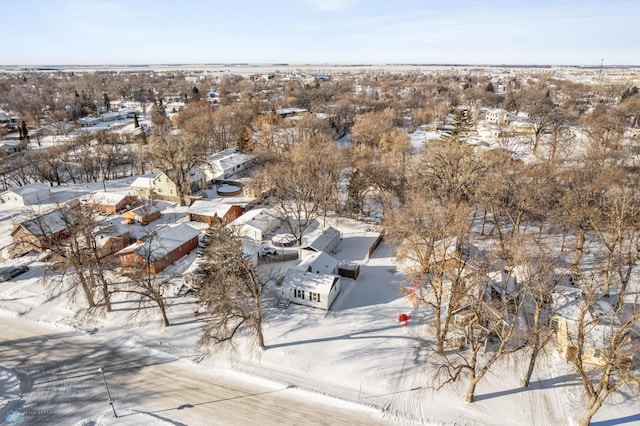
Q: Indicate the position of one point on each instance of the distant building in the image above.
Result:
(27, 195)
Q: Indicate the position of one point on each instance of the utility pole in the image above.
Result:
(109, 401)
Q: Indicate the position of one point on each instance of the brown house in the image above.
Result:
(111, 202)
(110, 242)
(210, 212)
(161, 250)
(141, 215)
(43, 232)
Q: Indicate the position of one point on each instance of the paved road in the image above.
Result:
(61, 385)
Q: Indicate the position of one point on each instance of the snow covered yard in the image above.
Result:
(356, 352)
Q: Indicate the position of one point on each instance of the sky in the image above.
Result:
(542, 32)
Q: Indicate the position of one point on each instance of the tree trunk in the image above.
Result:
(592, 408)
(471, 389)
(165, 319)
(87, 290)
(532, 363)
(579, 248)
(258, 324)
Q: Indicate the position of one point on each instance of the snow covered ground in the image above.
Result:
(356, 354)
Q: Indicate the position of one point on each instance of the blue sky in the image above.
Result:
(320, 31)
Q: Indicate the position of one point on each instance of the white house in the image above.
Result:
(225, 164)
(33, 193)
(310, 289)
(257, 223)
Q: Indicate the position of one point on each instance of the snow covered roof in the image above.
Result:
(318, 283)
(209, 208)
(107, 198)
(143, 210)
(319, 261)
(227, 161)
(144, 181)
(32, 188)
(48, 224)
(167, 240)
(260, 218)
(319, 239)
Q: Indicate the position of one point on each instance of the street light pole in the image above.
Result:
(109, 401)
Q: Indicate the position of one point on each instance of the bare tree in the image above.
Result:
(431, 237)
(231, 289)
(605, 342)
(487, 324)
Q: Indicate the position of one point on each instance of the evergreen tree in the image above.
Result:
(24, 132)
(490, 88)
(462, 123)
(136, 124)
(106, 102)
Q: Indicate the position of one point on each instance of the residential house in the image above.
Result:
(142, 215)
(11, 147)
(601, 319)
(42, 232)
(110, 240)
(210, 212)
(257, 223)
(225, 164)
(112, 202)
(311, 289)
(160, 250)
(165, 186)
(27, 195)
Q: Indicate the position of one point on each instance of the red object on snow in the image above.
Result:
(403, 317)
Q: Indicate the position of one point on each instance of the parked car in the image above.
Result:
(12, 271)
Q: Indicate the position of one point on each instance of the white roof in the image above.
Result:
(319, 261)
(319, 239)
(225, 161)
(318, 283)
(261, 218)
(144, 181)
(144, 210)
(107, 198)
(209, 208)
(32, 188)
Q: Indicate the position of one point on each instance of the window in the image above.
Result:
(314, 297)
(299, 294)
(597, 353)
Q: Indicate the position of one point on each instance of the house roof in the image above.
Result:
(143, 210)
(32, 188)
(224, 161)
(145, 181)
(107, 198)
(261, 218)
(167, 240)
(320, 261)
(318, 283)
(209, 208)
(319, 239)
(48, 224)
